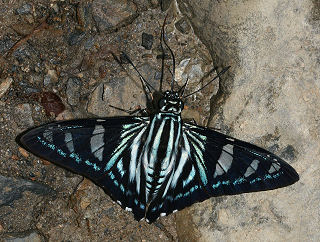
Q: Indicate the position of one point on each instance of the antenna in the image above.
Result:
(171, 53)
(219, 74)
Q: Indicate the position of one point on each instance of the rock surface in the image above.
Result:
(270, 98)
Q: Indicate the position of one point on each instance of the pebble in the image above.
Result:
(183, 26)
(117, 13)
(165, 4)
(33, 237)
(19, 186)
(5, 85)
(73, 90)
(24, 9)
(23, 113)
(147, 41)
(23, 152)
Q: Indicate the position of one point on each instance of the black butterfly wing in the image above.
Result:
(229, 166)
(217, 165)
(99, 149)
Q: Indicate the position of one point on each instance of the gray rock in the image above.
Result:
(272, 89)
(165, 4)
(183, 26)
(5, 85)
(23, 115)
(12, 189)
(147, 41)
(24, 9)
(112, 14)
(33, 237)
(73, 90)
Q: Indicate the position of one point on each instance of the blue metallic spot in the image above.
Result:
(186, 194)
(111, 175)
(60, 152)
(122, 188)
(142, 206)
(239, 181)
(267, 176)
(95, 167)
(116, 183)
(178, 196)
(136, 201)
(214, 186)
(153, 209)
(226, 182)
(255, 180)
(75, 156)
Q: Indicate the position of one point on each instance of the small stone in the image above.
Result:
(19, 186)
(147, 41)
(289, 153)
(23, 152)
(73, 87)
(165, 4)
(33, 237)
(24, 9)
(111, 14)
(23, 114)
(65, 115)
(5, 85)
(183, 26)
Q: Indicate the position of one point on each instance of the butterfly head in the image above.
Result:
(171, 103)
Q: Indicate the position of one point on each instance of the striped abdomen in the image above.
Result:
(159, 152)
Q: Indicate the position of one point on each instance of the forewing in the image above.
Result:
(96, 148)
(229, 166)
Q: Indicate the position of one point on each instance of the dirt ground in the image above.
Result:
(56, 63)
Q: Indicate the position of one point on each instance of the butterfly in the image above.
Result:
(155, 164)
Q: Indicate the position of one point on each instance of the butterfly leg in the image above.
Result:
(138, 109)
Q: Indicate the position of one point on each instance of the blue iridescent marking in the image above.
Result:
(75, 156)
(226, 182)
(120, 167)
(122, 188)
(142, 206)
(136, 201)
(239, 181)
(95, 167)
(111, 175)
(267, 176)
(255, 180)
(214, 186)
(178, 196)
(116, 182)
(60, 152)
